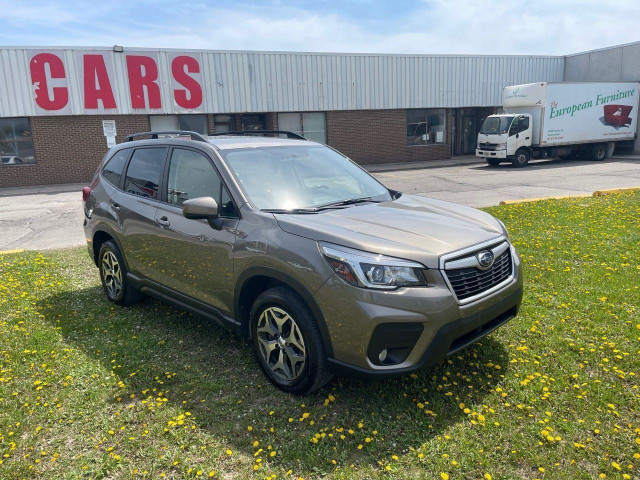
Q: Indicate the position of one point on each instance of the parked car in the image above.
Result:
(290, 243)
(10, 160)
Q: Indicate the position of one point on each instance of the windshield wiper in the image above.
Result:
(292, 210)
(320, 207)
(351, 201)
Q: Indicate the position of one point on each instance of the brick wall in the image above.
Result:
(380, 136)
(68, 149)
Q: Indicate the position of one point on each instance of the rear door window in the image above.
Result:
(112, 171)
(145, 171)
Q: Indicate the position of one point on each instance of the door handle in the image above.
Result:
(163, 221)
(526, 138)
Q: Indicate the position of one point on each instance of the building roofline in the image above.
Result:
(604, 48)
(270, 52)
(285, 52)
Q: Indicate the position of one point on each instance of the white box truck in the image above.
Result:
(544, 120)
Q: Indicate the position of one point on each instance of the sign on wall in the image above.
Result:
(109, 131)
(144, 85)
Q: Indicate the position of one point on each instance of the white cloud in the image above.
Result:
(435, 26)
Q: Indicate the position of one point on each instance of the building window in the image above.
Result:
(311, 125)
(426, 127)
(192, 123)
(224, 123)
(16, 145)
(252, 122)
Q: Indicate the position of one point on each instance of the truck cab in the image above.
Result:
(506, 137)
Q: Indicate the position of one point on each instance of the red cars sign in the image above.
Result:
(176, 88)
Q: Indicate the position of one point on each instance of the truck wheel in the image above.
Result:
(493, 162)
(598, 151)
(521, 158)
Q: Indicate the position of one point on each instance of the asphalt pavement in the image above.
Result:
(38, 218)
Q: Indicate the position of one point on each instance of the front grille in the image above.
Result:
(468, 282)
(487, 146)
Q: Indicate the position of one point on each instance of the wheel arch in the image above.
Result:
(256, 280)
(102, 234)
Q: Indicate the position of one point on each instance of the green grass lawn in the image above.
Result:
(91, 390)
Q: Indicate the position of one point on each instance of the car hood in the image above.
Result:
(411, 227)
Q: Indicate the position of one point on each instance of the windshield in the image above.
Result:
(493, 125)
(287, 178)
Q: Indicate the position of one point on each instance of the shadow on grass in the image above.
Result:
(213, 374)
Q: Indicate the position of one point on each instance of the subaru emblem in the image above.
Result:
(485, 258)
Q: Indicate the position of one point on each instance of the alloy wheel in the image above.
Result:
(281, 343)
(112, 274)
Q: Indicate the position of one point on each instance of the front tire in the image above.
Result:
(520, 159)
(113, 274)
(493, 162)
(287, 342)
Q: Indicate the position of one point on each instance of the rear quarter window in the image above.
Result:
(112, 171)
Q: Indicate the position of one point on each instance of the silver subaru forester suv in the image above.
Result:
(292, 244)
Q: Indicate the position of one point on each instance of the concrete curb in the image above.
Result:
(6, 252)
(42, 189)
(600, 193)
(421, 165)
(597, 193)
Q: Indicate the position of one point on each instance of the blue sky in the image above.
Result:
(526, 27)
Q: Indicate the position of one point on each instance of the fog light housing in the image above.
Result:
(383, 356)
(391, 343)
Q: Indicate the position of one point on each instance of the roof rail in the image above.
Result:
(154, 135)
(246, 133)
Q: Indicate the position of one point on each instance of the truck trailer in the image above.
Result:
(548, 120)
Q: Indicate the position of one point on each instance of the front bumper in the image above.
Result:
(491, 153)
(441, 325)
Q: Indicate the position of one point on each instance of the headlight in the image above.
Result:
(504, 228)
(363, 269)
(501, 146)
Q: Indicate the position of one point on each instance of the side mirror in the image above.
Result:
(517, 135)
(201, 207)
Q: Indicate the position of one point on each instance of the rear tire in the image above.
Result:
(493, 162)
(113, 274)
(287, 342)
(520, 159)
(598, 152)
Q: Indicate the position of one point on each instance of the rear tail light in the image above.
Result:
(86, 191)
